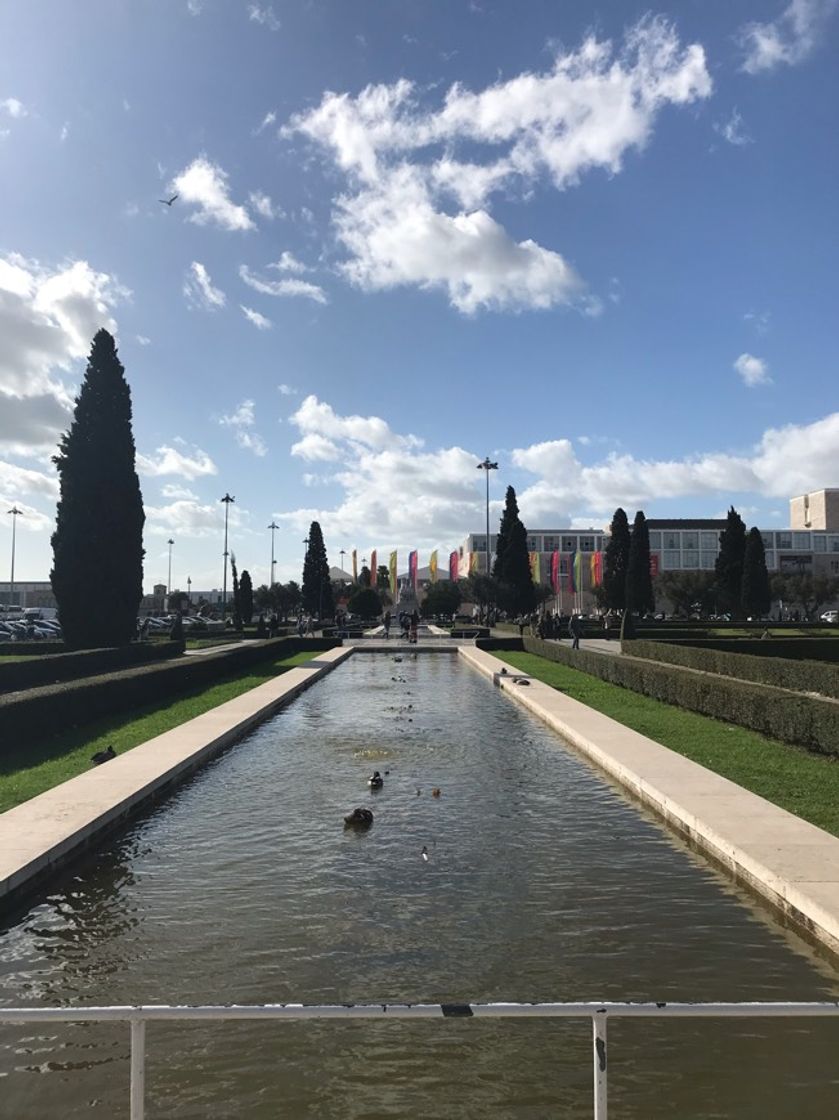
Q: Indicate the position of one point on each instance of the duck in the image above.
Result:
(436, 791)
(377, 781)
(358, 818)
(104, 756)
(424, 852)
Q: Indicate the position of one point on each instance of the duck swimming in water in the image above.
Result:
(377, 781)
(104, 756)
(358, 818)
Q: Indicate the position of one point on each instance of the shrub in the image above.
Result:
(805, 721)
(54, 668)
(39, 712)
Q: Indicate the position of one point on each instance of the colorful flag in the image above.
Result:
(412, 569)
(572, 572)
(374, 583)
(535, 567)
(592, 569)
(555, 572)
(578, 571)
(473, 563)
(598, 569)
(432, 566)
(355, 565)
(653, 564)
(453, 566)
(393, 574)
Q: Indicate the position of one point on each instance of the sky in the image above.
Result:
(595, 241)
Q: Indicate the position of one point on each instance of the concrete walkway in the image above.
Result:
(788, 861)
(38, 835)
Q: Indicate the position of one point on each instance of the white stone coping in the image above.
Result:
(41, 833)
(788, 861)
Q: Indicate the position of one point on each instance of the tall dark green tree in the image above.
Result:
(246, 597)
(729, 563)
(616, 562)
(755, 596)
(97, 573)
(317, 587)
(365, 578)
(639, 583)
(513, 568)
(237, 594)
(508, 517)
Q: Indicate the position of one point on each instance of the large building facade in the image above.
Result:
(810, 545)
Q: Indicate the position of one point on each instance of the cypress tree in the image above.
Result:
(514, 561)
(616, 562)
(237, 597)
(317, 587)
(754, 593)
(508, 518)
(97, 573)
(729, 562)
(639, 582)
(246, 597)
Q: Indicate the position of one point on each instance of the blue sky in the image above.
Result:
(595, 241)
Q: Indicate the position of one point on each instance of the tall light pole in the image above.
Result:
(273, 527)
(342, 554)
(15, 514)
(487, 466)
(189, 590)
(170, 542)
(227, 503)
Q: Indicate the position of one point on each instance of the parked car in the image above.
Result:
(830, 616)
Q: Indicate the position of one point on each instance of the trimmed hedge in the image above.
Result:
(490, 644)
(802, 720)
(35, 648)
(804, 676)
(55, 668)
(40, 712)
(797, 649)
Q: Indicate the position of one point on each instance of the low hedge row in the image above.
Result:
(54, 668)
(40, 712)
(805, 721)
(804, 676)
(35, 648)
(795, 649)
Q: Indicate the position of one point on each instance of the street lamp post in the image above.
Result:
(227, 503)
(487, 466)
(342, 554)
(273, 527)
(15, 514)
(170, 542)
(189, 590)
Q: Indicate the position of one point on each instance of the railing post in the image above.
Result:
(601, 1099)
(138, 1069)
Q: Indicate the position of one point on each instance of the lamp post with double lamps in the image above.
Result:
(273, 527)
(487, 466)
(170, 542)
(228, 500)
(14, 513)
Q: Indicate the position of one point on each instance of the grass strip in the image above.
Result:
(37, 767)
(800, 782)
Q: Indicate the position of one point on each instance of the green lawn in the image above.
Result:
(803, 783)
(27, 771)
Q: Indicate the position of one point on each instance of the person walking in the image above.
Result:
(575, 628)
(386, 620)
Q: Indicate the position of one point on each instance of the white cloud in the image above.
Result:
(760, 320)
(242, 420)
(48, 317)
(754, 371)
(189, 518)
(15, 481)
(13, 107)
(259, 321)
(592, 107)
(142, 340)
(204, 184)
(789, 39)
(732, 130)
(199, 290)
(170, 490)
(287, 390)
(267, 121)
(189, 463)
(195, 7)
(289, 263)
(287, 287)
(265, 16)
(31, 520)
(262, 204)
(65, 132)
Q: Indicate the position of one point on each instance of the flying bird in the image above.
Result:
(168, 201)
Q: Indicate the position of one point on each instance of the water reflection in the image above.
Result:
(542, 883)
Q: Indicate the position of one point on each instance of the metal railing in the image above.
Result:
(597, 1013)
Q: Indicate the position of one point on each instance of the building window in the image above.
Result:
(586, 544)
(768, 541)
(479, 544)
(690, 540)
(819, 542)
(834, 566)
(569, 544)
(534, 544)
(833, 543)
(655, 541)
(690, 557)
(771, 560)
(551, 544)
(709, 560)
(671, 540)
(801, 540)
(783, 540)
(671, 558)
(711, 540)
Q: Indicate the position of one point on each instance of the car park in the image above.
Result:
(830, 616)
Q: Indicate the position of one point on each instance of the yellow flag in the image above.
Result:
(393, 574)
(473, 562)
(432, 566)
(355, 565)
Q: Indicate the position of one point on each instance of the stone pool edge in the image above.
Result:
(39, 835)
(787, 861)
